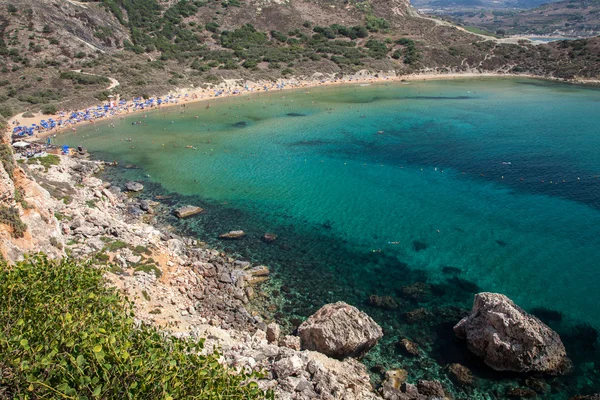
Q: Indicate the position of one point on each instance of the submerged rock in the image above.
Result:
(417, 291)
(431, 388)
(418, 245)
(451, 270)
(134, 187)
(460, 374)
(408, 347)
(521, 393)
(232, 235)
(509, 339)
(418, 315)
(269, 237)
(339, 330)
(385, 302)
(392, 389)
(187, 211)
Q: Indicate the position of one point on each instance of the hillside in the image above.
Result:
(457, 5)
(151, 47)
(565, 18)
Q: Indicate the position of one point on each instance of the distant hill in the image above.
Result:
(153, 46)
(458, 5)
(564, 18)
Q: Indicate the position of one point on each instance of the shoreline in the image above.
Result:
(233, 88)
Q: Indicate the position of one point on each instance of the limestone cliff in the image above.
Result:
(34, 208)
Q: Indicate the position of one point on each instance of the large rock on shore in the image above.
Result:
(509, 339)
(339, 330)
(187, 211)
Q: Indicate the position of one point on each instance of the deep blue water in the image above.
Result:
(478, 185)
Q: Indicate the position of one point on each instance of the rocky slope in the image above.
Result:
(175, 283)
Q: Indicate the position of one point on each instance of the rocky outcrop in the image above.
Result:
(187, 211)
(257, 275)
(339, 330)
(509, 339)
(134, 187)
(232, 235)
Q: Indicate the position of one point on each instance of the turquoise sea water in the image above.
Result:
(496, 178)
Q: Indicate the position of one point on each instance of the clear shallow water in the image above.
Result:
(497, 178)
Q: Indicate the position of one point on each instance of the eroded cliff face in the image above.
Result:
(34, 207)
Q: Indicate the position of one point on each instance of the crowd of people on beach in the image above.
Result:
(69, 119)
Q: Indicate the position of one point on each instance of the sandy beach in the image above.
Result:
(233, 88)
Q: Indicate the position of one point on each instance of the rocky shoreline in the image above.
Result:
(190, 290)
(177, 283)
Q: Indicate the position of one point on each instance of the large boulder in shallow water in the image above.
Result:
(187, 211)
(509, 339)
(339, 330)
(134, 187)
(232, 235)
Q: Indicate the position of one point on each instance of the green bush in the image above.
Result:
(375, 24)
(10, 216)
(49, 109)
(6, 111)
(84, 79)
(46, 161)
(67, 335)
(28, 114)
(212, 27)
(377, 48)
(7, 160)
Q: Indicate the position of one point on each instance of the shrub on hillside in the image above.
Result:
(66, 334)
(84, 79)
(10, 216)
(48, 109)
(7, 160)
(6, 111)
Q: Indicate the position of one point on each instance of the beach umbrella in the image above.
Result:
(20, 144)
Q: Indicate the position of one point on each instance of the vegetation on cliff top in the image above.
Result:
(65, 334)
